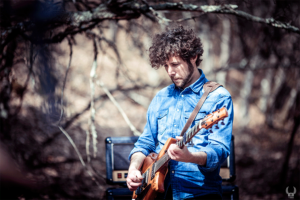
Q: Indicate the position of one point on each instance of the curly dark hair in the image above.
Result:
(175, 42)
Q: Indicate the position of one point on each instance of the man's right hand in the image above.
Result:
(134, 179)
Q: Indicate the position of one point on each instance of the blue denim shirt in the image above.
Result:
(166, 117)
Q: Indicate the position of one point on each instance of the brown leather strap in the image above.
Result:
(208, 87)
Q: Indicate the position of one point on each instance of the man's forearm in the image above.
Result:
(199, 158)
(136, 161)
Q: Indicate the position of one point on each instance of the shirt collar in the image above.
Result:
(196, 86)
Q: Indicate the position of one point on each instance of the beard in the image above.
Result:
(186, 80)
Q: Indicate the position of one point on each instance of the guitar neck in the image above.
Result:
(187, 137)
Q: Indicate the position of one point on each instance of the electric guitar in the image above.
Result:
(155, 166)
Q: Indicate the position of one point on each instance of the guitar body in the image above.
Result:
(156, 184)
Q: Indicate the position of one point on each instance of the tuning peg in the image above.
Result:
(217, 127)
(210, 131)
(222, 123)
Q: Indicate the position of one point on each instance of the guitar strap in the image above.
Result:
(208, 87)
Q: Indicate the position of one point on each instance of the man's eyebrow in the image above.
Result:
(172, 62)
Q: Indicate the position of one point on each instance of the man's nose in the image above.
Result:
(171, 71)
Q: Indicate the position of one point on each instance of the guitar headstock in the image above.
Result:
(209, 120)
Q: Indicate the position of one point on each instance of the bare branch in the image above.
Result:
(132, 128)
(88, 106)
(73, 144)
(115, 49)
(79, 155)
(93, 131)
(268, 21)
(140, 99)
(102, 12)
(161, 19)
(85, 20)
(224, 9)
(64, 84)
(87, 145)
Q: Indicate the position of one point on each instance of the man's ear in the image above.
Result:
(193, 59)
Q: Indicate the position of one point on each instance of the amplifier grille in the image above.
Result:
(120, 156)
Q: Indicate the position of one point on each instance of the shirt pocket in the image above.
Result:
(162, 121)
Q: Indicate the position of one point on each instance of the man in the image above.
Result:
(193, 170)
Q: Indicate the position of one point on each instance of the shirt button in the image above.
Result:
(181, 95)
(177, 109)
(175, 125)
(173, 172)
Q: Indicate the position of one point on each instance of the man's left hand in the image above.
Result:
(182, 155)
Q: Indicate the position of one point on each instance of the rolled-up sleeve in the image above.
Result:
(218, 147)
(147, 141)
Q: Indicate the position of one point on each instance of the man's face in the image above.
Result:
(181, 73)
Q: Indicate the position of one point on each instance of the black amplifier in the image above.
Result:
(117, 163)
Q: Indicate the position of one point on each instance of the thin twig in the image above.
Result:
(120, 65)
(162, 20)
(79, 155)
(132, 128)
(88, 106)
(81, 21)
(93, 131)
(223, 9)
(73, 144)
(140, 99)
(87, 145)
(64, 84)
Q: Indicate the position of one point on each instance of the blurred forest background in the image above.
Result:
(72, 69)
